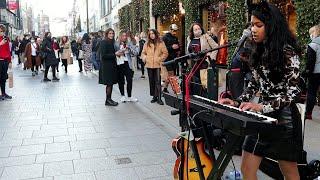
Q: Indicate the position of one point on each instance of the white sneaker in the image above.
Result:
(123, 99)
(132, 99)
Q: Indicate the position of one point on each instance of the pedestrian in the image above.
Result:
(198, 41)
(313, 69)
(108, 71)
(95, 46)
(65, 50)
(5, 61)
(50, 57)
(172, 43)
(79, 53)
(142, 41)
(22, 48)
(15, 46)
(56, 49)
(87, 52)
(132, 40)
(154, 54)
(124, 51)
(32, 51)
(275, 65)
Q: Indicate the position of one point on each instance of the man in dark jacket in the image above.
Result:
(313, 69)
(172, 44)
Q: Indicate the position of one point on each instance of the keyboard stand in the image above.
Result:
(224, 157)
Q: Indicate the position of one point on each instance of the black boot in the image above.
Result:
(110, 102)
(160, 102)
(154, 99)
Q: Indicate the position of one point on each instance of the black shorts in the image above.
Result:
(279, 145)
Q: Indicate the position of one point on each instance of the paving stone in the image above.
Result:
(37, 141)
(118, 174)
(19, 135)
(27, 150)
(57, 147)
(92, 153)
(51, 132)
(151, 171)
(58, 168)
(4, 152)
(54, 157)
(10, 142)
(46, 178)
(22, 172)
(124, 141)
(92, 136)
(30, 128)
(20, 160)
(65, 138)
(90, 165)
(81, 130)
(115, 151)
(90, 144)
(81, 176)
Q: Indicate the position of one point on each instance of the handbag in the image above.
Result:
(80, 57)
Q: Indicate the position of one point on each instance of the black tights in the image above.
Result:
(47, 70)
(3, 87)
(65, 64)
(109, 91)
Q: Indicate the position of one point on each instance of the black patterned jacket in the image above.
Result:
(275, 96)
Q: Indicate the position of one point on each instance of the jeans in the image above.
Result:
(95, 60)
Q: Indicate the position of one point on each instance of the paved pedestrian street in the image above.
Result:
(62, 130)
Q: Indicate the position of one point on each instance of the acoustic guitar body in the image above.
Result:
(190, 170)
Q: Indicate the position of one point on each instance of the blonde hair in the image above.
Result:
(315, 30)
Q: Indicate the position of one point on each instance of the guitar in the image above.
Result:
(190, 170)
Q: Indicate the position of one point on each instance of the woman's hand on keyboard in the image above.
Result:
(249, 106)
(227, 101)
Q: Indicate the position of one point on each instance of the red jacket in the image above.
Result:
(5, 51)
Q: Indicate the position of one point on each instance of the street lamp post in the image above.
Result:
(87, 6)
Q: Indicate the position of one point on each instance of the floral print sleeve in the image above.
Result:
(251, 90)
(290, 87)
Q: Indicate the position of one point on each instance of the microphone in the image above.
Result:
(245, 34)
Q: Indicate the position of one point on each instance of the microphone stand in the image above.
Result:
(184, 121)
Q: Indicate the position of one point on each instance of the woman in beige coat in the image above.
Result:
(65, 48)
(153, 54)
(199, 41)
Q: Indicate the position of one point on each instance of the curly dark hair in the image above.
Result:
(86, 38)
(191, 34)
(270, 53)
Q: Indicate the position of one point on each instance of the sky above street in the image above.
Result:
(54, 9)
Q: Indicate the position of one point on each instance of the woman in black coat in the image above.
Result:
(108, 69)
(50, 58)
